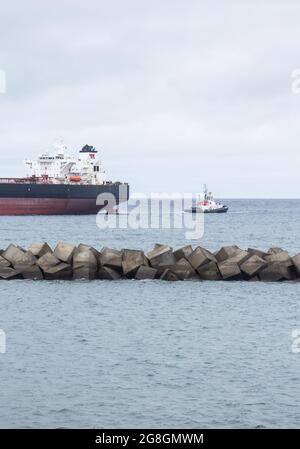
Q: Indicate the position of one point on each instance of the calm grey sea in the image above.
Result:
(149, 353)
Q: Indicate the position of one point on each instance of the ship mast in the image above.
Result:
(205, 191)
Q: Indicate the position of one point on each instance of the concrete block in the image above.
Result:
(160, 245)
(144, 272)
(47, 261)
(161, 257)
(87, 272)
(8, 273)
(131, 261)
(275, 250)
(64, 252)
(226, 252)
(184, 270)
(183, 252)
(27, 259)
(85, 263)
(296, 262)
(229, 270)
(200, 256)
(209, 272)
(109, 274)
(257, 252)
(4, 262)
(83, 247)
(15, 255)
(282, 256)
(239, 257)
(32, 272)
(168, 275)
(38, 249)
(252, 266)
(83, 257)
(288, 271)
(273, 272)
(254, 279)
(62, 271)
(111, 258)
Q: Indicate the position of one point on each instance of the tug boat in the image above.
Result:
(208, 205)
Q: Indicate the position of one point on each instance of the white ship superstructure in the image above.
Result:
(59, 167)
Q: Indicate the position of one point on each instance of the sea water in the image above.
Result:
(151, 353)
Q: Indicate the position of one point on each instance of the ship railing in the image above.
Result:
(8, 181)
(35, 180)
(32, 180)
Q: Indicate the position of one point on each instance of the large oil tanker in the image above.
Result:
(61, 184)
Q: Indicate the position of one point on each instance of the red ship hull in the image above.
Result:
(48, 206)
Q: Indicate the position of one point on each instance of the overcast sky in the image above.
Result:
(173, 93)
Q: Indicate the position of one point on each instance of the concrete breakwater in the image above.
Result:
(68, 262)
